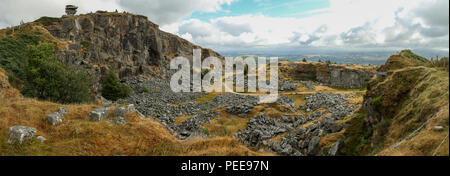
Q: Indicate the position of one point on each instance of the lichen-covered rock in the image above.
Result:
(313, 146)
(119, 120)
(19, 134)
(99, 114)
(124, 110)
(62, 111)
(54, 118)
(334, 149)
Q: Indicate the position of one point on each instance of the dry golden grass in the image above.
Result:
(181, 119)
(226, 125)
(426, 141)
(222, 146)
(79, 136)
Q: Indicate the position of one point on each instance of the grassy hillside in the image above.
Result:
(395, 106)
(79, 136)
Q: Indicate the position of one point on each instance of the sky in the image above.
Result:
(278, 26)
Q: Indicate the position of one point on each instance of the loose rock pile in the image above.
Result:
(335, 102)
(286, 85)
(295, 139)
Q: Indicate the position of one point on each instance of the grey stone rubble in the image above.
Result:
(166, 106)
(286, 101)
(99, 114)
(308, 84)
(336, 102)
(20, 134)
(286, 85)
(241, 108)
(295, 140)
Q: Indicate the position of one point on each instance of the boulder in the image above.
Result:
(99, 114)
(438, 128)
(313, 146)
(124, 110)
(41, 138)
(62, 111)
(334, 149)
(54, 118)
(19, 134)
(119, 120)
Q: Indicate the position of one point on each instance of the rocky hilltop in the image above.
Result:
(130, 44)
(405, 110)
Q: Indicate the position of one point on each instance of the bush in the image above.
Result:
(13, 54)
(47, 79)
(145, 89)
(112, 89)
(377, 102)
(304, 60)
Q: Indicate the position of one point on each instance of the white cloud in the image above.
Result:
(159, 11)
(168, 11)
(13, 11)
(345, 24)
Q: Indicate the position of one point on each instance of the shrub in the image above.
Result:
(304, 60)
(112, 89)
(145, 89)
(47, 79)
(13, 54)
(377, 102)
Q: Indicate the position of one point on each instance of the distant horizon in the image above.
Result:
(286, 27)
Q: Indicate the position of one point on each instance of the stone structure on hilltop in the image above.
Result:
(71, 10)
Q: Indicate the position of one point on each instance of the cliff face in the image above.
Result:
(129, 44)
(335, 75)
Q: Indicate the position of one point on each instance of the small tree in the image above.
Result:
(112, 89)
(46, 78)
(304, 60)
